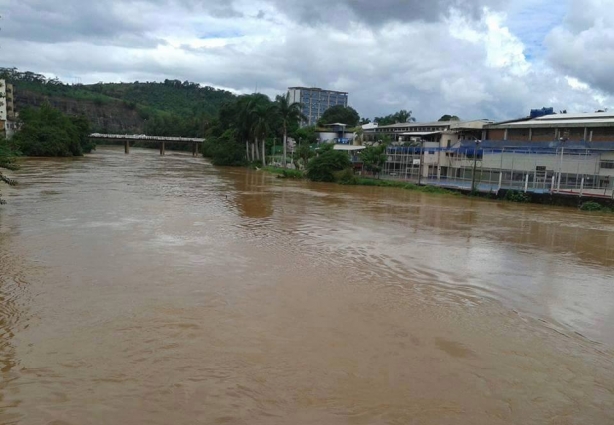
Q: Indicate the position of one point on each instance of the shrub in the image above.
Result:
(346, 177)
(291, 174)
(591, 206)
(516, 196)
(323, 167)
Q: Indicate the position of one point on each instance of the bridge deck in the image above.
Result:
(142, 137)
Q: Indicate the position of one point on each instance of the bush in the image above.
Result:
(49, 132)
(323, 167)
(346, 177)
(292, 174)
(225, 150)
(591, 206)
(516, 196)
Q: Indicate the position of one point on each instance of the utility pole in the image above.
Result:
(420, 164)
(475, 165)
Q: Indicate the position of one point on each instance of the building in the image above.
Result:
(315, 101)
(597, 127)
(8, 115)
(564, 153)
(448, 131)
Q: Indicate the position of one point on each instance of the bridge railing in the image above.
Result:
(145, 137)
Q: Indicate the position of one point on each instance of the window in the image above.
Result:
(607, 164)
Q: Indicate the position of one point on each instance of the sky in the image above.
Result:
(494, 59)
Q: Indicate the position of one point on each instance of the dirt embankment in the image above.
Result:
(108, 117)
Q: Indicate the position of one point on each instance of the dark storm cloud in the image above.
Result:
(117, 21)
(377, 12)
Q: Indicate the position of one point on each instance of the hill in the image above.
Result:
(172, 107)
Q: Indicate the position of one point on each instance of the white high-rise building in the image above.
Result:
(315, 101)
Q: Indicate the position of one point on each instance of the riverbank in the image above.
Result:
(584, 203)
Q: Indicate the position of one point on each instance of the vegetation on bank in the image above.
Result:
(48, 132)
(595, 206)
(7, 162)
(169, 108)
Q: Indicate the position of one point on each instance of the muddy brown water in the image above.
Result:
(139, 289)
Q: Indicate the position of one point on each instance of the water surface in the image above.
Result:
(152, 290)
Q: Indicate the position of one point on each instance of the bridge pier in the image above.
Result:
(162, 149)
(126, 146)
(194, 150)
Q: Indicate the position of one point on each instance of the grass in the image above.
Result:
(362, 181)
(285, 173)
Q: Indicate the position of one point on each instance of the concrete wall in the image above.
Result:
(580, 164)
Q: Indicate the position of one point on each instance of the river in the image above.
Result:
(139, 289)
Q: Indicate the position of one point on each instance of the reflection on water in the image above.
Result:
(146, 289)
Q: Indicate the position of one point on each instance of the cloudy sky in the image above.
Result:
(473, 58)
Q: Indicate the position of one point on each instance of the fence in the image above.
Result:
(539, 168)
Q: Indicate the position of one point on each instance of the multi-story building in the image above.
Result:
(3, 101)
(8, 115)
(315, 101)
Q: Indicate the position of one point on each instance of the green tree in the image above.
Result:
(402, 116)
(48, 132)
(340, 114)
(306, 135)
(263, 115)
(289, 113)
(226, 151)
(323, 167)
(374, 158)
(448, 117)
(6, 162)
(303, 153)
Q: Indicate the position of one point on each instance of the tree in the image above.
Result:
(289, 113)
(226, 151)
(374, 158)
(340, 114)
(323, 167)
(304, 153)
(306, 135)
(402, 116)
(364, 121)
(262, 115)
(48, 132)
(448, 117)
(7, 162)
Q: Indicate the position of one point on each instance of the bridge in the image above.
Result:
(127, 138)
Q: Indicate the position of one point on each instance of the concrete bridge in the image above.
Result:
(127, 138)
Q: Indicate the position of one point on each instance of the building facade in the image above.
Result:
(315, 101)
(597, 127)
(8, 114)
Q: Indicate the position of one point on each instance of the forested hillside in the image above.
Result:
(172, 107)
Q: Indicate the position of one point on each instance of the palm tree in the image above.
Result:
(262, 117)
(404, 116)
(288, 113)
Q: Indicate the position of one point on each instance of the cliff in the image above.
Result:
(112, 116)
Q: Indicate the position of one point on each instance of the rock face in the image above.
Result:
(110, 117)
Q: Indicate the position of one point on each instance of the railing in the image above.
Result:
(145, 137)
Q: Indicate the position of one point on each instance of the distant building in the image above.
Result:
(589, 127)
(315, 101)
(8, 114)
(449, 132)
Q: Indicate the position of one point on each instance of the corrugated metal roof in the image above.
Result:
(420, 133)
(596, 115)
(539, 122)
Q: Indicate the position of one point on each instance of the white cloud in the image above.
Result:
(472, 65)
